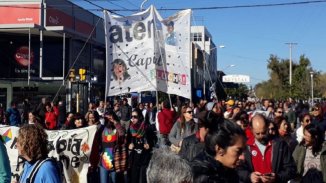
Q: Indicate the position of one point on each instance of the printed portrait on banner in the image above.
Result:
(148, 53)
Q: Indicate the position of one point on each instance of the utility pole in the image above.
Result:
(290, 69)
(312, 88)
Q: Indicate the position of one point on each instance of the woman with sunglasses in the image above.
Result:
(139, 147)
(318, 117)
(310, 154)
(305, 119)
(183, 127)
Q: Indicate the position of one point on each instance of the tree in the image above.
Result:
(278, 86)
(320, 86)
(239, 92)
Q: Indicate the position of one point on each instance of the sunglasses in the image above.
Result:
(315, 109)
(136, 117)
(271, 129)
(280, 112)
(307, 120)
(189, 112)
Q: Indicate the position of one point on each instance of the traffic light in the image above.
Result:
(82, 74)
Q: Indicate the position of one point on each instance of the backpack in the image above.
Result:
(37, 166)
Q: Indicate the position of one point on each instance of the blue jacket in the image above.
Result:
(14, 116)
(48, 173)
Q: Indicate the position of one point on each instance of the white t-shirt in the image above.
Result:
(311, 161)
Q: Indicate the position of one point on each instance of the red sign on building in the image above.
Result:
(20, 14)
(58, 18)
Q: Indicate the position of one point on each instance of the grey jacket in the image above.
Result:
(176, 134)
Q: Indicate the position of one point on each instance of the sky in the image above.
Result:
(249, 35)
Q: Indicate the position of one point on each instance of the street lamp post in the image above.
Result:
(224, 69)
(207, 69)
(290, 67)
(231, 65)
(217, 47)
(312, 88)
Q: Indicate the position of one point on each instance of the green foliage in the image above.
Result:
(240, 92)
(321, 85)
(278, 86)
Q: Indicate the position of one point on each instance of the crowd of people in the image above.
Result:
(219, 141)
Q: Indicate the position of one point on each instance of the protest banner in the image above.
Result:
(146, 53)
(71, 148)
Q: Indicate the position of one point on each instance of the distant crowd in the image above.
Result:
(210, 141)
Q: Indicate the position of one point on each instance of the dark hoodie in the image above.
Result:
(206, 169)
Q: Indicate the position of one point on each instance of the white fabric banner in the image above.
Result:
(147, 53)
(130, 51)
(176, 54)
(71, 147)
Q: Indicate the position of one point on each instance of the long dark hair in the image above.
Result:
(140, 115)
(183, 119)
(317, 136)
(224, 136)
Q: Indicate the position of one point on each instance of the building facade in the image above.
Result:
(204, 61)
(41, 41)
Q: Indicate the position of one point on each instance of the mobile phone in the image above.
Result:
(267, 174)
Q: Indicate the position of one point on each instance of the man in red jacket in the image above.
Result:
(266, 160)
(165, 120)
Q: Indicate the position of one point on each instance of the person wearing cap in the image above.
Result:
(229, 109)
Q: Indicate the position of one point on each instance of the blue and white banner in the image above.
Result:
(146, 53)
(176, 53)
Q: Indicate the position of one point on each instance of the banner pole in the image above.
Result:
(29, 57)
(107, 79)
(157, 102)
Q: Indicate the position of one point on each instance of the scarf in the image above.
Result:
(137, 130)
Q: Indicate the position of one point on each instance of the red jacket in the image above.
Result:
(165, 121)
(51, 120)
(261, 163)
(249, 133)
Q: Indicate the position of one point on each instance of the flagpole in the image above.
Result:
(106, 58)
(164, 63)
